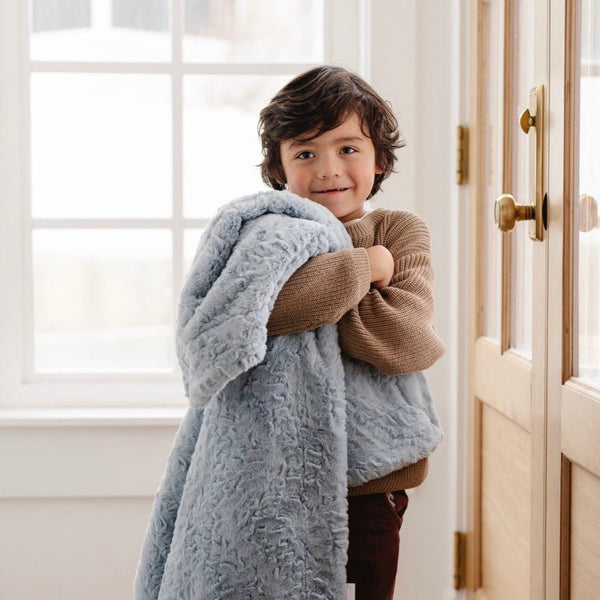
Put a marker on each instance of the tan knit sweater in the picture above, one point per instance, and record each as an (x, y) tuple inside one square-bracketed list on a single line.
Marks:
[(391, 327)]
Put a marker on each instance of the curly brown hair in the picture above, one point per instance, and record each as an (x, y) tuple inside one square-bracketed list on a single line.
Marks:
[(317, 101)]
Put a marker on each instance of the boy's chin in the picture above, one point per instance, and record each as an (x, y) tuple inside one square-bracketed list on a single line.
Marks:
[(343, 213)]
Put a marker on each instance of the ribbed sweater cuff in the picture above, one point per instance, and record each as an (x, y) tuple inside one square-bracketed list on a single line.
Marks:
[(362, 269), (409, 477)]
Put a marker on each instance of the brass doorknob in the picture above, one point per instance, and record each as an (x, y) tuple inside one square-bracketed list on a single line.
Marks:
[(588, 213), (507, 212), (526, 120)]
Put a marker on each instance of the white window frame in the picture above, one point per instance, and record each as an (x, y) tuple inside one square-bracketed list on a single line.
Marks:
[(346, 25)]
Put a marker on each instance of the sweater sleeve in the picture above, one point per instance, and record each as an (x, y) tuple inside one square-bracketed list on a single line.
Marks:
[(391, 327), (321, 291)]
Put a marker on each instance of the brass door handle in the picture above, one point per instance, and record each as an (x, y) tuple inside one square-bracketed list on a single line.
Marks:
[(507, 212)]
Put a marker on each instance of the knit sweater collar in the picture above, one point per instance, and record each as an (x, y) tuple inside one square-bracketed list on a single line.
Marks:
[(366, 223), (367, 211)]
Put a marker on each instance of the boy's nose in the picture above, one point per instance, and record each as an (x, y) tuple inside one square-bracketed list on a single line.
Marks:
[(329, 167)]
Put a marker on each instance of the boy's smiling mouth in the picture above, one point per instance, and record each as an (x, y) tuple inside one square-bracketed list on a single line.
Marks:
[(331, 190)]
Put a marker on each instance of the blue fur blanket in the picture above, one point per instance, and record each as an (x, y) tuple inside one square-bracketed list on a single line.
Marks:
[(253, 500)]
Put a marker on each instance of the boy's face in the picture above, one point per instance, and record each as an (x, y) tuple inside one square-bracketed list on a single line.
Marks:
[(336, 169)]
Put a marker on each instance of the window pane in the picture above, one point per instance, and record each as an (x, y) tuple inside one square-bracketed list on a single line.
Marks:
[(102, 300), (253, 31), (221, 146), (101, 145), (587, 267), (100, 30)]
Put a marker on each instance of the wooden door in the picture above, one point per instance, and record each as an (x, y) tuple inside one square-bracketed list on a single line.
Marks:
[(573, 441), (534, 337), (507, 280)]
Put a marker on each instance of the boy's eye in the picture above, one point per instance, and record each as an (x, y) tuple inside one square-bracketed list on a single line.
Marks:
[(304, 155), (348, 150)]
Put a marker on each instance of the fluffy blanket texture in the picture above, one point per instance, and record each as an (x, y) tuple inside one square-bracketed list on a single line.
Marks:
[(253, 500)]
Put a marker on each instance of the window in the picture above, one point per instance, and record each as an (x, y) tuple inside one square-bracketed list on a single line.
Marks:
[(137, 121)]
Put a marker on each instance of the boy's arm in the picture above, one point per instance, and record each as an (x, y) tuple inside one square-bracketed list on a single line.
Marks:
[(321, 291), (391, 327)]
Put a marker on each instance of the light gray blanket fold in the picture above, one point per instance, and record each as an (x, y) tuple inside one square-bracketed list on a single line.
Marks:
[(252, 504)]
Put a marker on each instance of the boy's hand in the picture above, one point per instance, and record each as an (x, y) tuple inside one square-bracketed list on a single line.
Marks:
[(381, 262)]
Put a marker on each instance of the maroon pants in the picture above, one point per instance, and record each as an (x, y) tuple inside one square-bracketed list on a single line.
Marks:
[(374, 521)]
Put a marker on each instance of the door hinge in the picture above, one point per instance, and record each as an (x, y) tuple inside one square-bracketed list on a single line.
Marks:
[(460, 560), (462, 154)]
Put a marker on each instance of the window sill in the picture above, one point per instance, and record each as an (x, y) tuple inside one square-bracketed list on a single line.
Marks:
[(91, 417)]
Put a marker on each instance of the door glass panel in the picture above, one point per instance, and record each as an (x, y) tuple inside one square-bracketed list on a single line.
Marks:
[(586, 300), (520, 326), (492, 167), (521, 252)]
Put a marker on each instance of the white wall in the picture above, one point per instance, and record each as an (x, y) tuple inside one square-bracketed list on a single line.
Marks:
[(415, 65), (74, 504)]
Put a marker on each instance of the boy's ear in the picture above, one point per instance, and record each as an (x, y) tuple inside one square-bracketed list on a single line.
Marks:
[(378, 170)]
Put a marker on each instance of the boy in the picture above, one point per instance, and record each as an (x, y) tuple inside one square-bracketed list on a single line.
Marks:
[(329, 137)]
